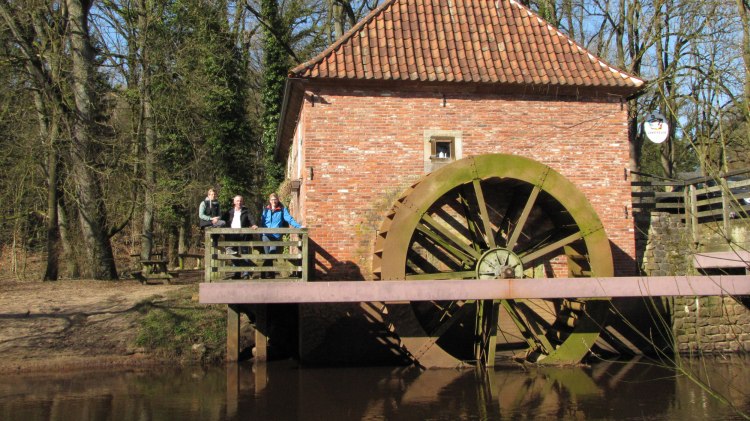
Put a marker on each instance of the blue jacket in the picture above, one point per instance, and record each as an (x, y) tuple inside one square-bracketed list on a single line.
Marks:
[(277, 218)]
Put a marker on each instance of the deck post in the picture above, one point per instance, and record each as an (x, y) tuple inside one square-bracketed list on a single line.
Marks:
[(233, 333), (305, 255), (694, 213), (208, 248), (725, 205), (261, 327)]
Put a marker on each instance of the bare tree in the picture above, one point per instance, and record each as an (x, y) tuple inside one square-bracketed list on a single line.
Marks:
[(743, 7), (92, 211), (37, 39)]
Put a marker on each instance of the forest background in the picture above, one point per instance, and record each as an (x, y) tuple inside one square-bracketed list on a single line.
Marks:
[(116, 116)]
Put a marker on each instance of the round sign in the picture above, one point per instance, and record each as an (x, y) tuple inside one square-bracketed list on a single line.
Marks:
[(656, 128)]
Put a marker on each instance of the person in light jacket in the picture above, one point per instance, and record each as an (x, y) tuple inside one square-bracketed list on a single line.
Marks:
[(209, 211)]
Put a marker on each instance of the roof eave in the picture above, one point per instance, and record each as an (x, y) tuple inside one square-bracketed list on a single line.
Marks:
[(289, 116)]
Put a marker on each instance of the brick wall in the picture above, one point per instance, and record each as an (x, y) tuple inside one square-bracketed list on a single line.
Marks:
[(364, 147)]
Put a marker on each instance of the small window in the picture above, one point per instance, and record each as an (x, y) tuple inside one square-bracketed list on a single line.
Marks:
[(443, 150), (441, 147)]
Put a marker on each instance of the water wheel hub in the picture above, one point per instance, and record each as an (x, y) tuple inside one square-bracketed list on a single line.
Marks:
[(499, 263)]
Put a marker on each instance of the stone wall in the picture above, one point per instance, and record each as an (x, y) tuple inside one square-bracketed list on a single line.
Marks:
[(710, 325), (664, 244), (699, 324)]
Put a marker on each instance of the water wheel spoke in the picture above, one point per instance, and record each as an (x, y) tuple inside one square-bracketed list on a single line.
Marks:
[(516, 233), (445, 324), (489, 235), (518, 322), (417, 263), (534, 326), (486, 331), (475, 233), (441, 312), (432, 228), (448, 312), (549, 248)]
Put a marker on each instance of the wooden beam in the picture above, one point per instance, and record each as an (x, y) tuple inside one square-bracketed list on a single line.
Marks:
[(722, 260), (480, 289)]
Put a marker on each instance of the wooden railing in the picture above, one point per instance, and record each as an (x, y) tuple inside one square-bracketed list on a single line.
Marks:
[(697, 201), (290, 263), (701, 199)]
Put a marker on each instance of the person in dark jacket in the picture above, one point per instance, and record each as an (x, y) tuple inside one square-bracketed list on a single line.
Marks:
[(239, 217), (274, 215), (209, 212)]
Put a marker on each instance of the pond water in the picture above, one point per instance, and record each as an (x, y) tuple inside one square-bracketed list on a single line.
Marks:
[(609, 390)]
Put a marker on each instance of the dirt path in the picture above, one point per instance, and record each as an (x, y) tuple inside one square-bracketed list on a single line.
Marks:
[(56, 325)]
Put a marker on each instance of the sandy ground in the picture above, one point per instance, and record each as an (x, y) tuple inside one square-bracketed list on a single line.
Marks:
[(74, 323)]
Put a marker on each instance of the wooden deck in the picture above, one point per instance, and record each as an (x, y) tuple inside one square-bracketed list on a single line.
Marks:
[(262, 293), (435, 290), (294, 261)]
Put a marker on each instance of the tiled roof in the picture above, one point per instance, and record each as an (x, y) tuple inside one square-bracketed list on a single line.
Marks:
[(479, 41)]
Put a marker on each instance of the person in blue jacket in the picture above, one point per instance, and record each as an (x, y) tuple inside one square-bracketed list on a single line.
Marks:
[(275, 215)]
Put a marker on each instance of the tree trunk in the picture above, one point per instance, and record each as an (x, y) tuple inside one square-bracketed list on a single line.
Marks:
[(71, 259), (92, 212), (173, 245), (183, 242), (147, 235), (744, 10), (635, 139), (52, 270), (48, 135)]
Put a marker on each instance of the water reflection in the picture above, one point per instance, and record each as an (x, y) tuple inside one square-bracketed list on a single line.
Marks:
[(636, 389)]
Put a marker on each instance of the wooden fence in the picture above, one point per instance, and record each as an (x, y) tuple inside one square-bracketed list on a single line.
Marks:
[(290, 263), (697, 200)]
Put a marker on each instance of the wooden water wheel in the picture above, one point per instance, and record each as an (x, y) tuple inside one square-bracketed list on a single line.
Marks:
[(488, 217)]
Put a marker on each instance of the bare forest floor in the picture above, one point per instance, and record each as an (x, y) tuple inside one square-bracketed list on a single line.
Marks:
[(78, 323)]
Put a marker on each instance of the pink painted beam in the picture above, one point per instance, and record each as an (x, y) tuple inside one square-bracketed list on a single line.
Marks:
[(722, 259), (433, 290)]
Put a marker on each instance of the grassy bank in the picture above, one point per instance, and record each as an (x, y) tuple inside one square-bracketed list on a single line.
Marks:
[(176, 327)]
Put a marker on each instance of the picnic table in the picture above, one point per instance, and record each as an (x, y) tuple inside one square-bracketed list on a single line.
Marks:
[(154, 270)]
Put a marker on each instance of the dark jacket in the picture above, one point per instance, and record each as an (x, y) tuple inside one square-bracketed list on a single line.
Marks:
[(246, 218), (207, 210)]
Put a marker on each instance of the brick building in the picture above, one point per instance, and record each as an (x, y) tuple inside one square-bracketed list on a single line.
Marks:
[(424, 79)]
